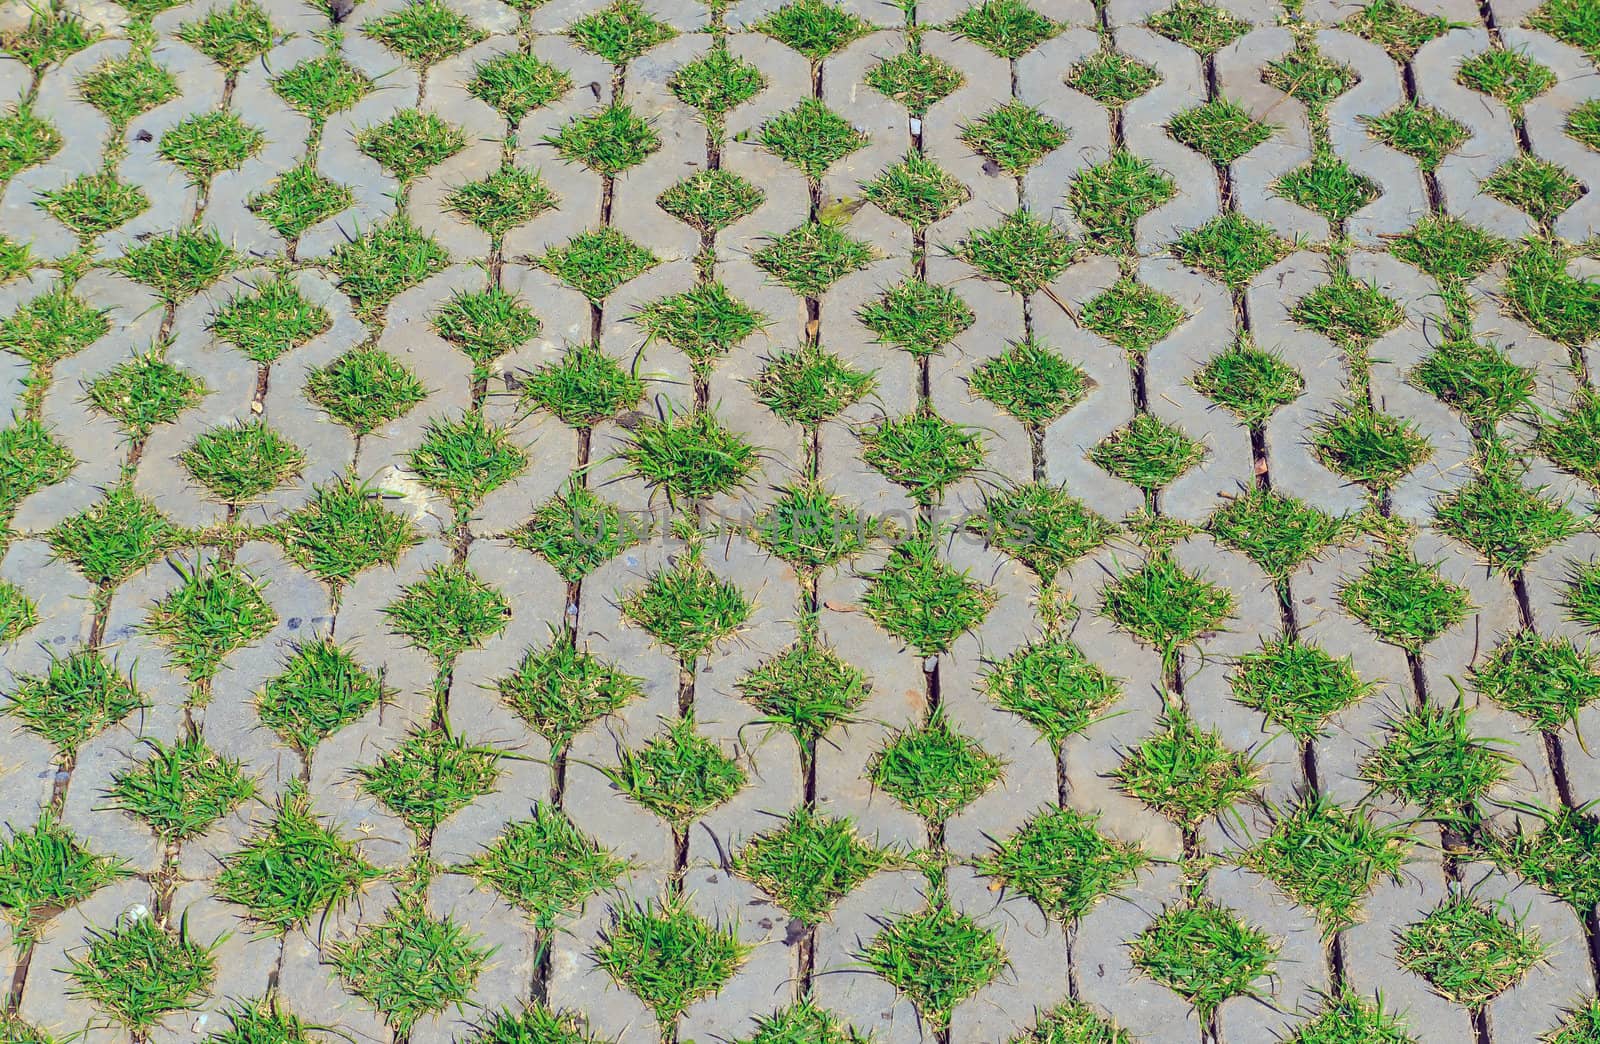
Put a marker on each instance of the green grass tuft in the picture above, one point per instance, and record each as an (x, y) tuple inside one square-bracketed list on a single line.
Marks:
[(1062, 861), (1470, 952), (1278, 533), (560, 690), (547, 867), (79, 696), (668, 956), (688, 608), (1147, 452), (917, 317), (431, 776), (44, 869), (1204, 954), (1403, 601), (1042, 526), (922, 453), (1548, 681), (182, 789), (933, 770), (810, 385), (807, 689), (364, 389), (1432, 758), (690, 456), (448, 612), (597, 262), (320, 690), (620, 33), (812, 137), (1004, 28), (410, 965), (115, 538), (344, 530), (239, 462), (1187, 774), (140, 972), (937, 957), (809, 863), (915, 79), (1329, 859), (1297, 686), (1111, 197)]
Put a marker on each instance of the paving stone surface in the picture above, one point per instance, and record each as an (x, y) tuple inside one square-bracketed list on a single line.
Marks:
[(800, 520)]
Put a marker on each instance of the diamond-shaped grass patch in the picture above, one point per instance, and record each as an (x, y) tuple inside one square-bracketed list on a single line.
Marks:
[(810, 385), (1023, 252), (431, 776), (679, 775), (1279, 533), (34, 460), (1249, 383), (389, 259), (45, 868), (517, 84), (1004, 28), (812, 529), (917, 317), (410, 964), (465, 460), (1403, 601), (126, 88), (1309, 76), (1198, 25), (1562, 856), (1186, 773), (1365, 446), (343, 530), (237, 463), (936, 958), (1469, 951), (917, 191), (1505, 521), (1204, 954), (806, 689), (208, 144), (1329, 859), (690, 455), (275, 319), (716, 84), (182, 789), (293, 869), (546, 866), (217, 610), (1111, 197), (1432, 758), (812, 137), (583, 388), (1031, 383), (922, 453), (298, 199), (703, 323), (1042, 526), (1297, 686), (75, 699), (1132, 315), (919, 599), (668, 956), (1327, 186), (711, 200), (815, 28), (809, 863), (1231, 248), (597, 262), (688, 608), (560, 690), (364, 389), (509, 197), (320, 690), (805, 1022), (1448, 248), (410, 143), (933, 770), (486, 324), (1052, 686), (621, 32), (1423, 133), (320, 87), (1014, 137), (180, 264), (115, 538), (53, 326), (1510, 76), (1398, 29), (1543, 294), (139, 972), (1062, 861), (144, 393), (1111, 78), (1147, 452), (916, 79), (1538, 187), (94, 203), (448, 611), (810, 258), (1477, 379), (577, 531), (1548, 681), (425, 32), (607, 141)]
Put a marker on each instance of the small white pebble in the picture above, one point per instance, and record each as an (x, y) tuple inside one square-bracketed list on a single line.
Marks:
[(929, 663), (135, 913), (200, 1022), (916, 125)]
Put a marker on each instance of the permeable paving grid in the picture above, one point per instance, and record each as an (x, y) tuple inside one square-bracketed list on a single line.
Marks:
[(819, 521)]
